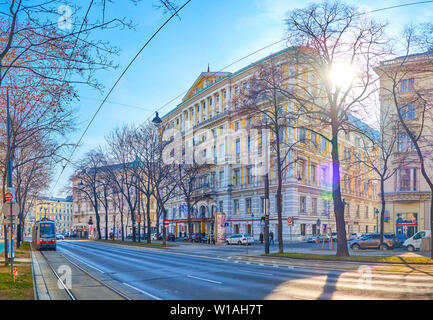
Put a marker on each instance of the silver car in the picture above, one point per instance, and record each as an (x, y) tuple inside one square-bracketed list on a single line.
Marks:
[(240, 239)]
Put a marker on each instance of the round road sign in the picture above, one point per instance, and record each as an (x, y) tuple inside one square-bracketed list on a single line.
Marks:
[(8, 196)]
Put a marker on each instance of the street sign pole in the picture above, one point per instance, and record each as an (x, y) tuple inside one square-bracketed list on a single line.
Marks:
[(266, 233), (10, 183)]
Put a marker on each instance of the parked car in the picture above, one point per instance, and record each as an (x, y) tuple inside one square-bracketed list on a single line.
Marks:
[(171, 237), (60, 236), (372, 241), (414, 243), (154, 236), (320, 237), (209, 238), (240, 239), (355, 236)]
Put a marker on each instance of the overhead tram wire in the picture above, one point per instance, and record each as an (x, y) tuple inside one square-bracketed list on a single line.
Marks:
[(114, 86), (272, 44), (169, 102)]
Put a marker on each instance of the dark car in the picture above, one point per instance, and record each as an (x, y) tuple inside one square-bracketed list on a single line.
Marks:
[(171, 237), (195, 237), (209, 238), (372, 241)]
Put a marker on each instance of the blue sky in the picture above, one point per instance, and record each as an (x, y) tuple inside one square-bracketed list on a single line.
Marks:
[(215, 32)]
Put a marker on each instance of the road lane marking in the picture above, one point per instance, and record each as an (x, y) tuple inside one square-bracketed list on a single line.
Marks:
[(142, 291), (76, 258), (190, 276), (264, 273)]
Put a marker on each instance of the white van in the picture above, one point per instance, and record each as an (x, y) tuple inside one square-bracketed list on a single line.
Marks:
[(414, 242)]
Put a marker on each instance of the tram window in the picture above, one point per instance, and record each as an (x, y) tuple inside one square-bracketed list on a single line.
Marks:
[(47, 230)]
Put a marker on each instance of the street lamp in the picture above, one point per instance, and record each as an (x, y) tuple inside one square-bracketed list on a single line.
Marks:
[(157, 120)]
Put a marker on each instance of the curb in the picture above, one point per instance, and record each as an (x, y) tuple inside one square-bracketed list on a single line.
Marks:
[(351, 261)]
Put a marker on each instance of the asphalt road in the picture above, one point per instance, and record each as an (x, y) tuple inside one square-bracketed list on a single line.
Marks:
[(170, 274)]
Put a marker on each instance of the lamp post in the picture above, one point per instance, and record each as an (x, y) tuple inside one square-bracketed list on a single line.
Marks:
[(157, 122)]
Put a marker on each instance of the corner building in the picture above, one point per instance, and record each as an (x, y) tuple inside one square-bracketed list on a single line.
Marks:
[(231, 186)]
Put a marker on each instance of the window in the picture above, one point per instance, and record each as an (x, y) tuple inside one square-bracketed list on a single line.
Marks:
[(314, 205), (407, 85), (323, 144), (238, 147), (237, 177), (248, 205), (404, 179), (302, 229), (221, 151), (221, 206), (402, 142), (235, 206), (249, 175), (262, 205), (249, 143), (411, 111), (302, 204), (250, 121), (221, 178), (366, 212), (313, 173), (302, 135), (314, 139), (324, 175), (301, 169), (237, 125), (358, 208), (414, 179)]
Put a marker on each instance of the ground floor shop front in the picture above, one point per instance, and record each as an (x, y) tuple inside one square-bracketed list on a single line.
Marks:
[(406, 215)]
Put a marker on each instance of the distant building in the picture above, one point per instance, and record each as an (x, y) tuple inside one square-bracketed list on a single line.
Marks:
[(207, 119), (407, 194), (83, 211), (56, 209)]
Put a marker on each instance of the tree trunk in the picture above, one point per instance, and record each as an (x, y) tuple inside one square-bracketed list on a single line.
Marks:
[(279, 197), (148, 218), (122, 226), (164, 229), (188, 203), (342, 249), (382, 211), (106, 223)]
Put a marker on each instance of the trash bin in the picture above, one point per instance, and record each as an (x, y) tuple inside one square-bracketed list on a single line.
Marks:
[(425, 245)]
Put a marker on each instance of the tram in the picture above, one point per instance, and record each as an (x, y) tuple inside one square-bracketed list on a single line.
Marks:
[(44, 235)]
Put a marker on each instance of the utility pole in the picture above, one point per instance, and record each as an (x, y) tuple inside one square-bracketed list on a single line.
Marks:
[(266, 207), (11, 243)]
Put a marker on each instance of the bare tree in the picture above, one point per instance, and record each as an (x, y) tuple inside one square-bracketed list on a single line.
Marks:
[(265, 96), (90, 183), (120, 149), (376, 154), (407, 93), (335, 48)]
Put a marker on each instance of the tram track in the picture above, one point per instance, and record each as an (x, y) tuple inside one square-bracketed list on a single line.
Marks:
[(69, 291)]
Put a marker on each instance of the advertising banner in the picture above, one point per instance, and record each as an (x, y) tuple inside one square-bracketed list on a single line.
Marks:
[(220, 228)]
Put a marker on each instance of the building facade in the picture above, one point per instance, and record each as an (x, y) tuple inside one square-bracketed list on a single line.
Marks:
[(56, 209), (84, 217), (407, 82), (208, 120)]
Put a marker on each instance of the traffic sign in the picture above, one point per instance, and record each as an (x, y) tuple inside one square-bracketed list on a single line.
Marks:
[(138, 219), (6, 209), (166, 222), (7, 221), (290, 221), (10, 194)]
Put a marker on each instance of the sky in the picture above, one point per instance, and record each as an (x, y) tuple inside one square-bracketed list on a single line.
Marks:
[(208, 32)]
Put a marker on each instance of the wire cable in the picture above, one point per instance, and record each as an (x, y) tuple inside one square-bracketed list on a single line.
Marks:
[(114, 86)]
